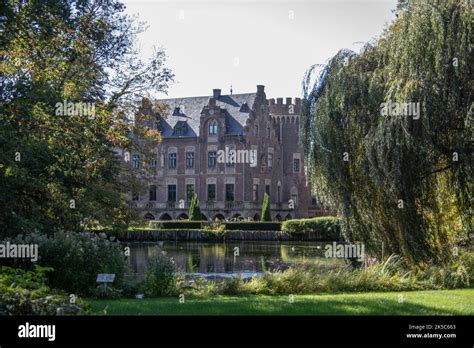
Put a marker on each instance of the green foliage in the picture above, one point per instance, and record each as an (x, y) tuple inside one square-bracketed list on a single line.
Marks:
[(177, 224), (78, 52), (77, 258), (327, 227), (397, 180), (26, 293), (195, 210), (390, 275), (233, 286), (160, 277), (416, 303), (252, 226), (266, 215)]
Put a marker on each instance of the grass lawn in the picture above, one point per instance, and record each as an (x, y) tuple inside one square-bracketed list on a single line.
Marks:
[(442, 302)]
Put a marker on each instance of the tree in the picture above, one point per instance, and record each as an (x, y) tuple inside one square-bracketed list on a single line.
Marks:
[(266, 215), (59, 167), (401, 181), (195, 210)]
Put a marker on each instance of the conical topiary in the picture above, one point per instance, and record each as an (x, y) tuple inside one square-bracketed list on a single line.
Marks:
[(266, 216), (194, 209)]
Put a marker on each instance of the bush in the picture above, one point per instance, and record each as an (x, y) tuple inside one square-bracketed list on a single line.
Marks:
[(177, 224), (328, 228), (160, 277), (234, 286), (77, 258), (266, 216), (195, 210), (130, 288), (26, 293), (102, 291), (253, 226)]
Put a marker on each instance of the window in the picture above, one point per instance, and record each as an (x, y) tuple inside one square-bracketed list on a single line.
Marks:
[(212, 159), (213, 128), (171, 193), (189, 192), (268, 132), (136, 161), (135, 196), (189, 159), (229, 192), (211, 192), (172, 160), (279, 194), (267, 189), (152, 193), (230, 158), (181, 128), (294, 198), (270, 160), (256, 129), (296, 165), (153, 163), (255, 192)]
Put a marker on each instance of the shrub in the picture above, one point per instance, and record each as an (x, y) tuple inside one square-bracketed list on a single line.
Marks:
[(130, 288), (26, 293), (195, 210), (253, 226), (234, 286), (102, 291), (160, 277), (266, 216), (77, 258), (328, 228)]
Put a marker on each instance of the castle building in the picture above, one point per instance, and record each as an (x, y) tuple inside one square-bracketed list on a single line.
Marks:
[(228, 150)]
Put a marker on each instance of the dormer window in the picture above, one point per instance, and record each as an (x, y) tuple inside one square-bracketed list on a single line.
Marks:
[(213, 128), (181, 128)]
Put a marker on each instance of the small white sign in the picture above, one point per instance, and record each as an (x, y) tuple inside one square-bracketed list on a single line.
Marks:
[(105, 278)]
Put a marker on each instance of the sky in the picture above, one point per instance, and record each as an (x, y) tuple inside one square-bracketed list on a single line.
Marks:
[(218, 43)]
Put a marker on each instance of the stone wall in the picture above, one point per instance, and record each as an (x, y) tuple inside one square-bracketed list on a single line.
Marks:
[(203, 235)]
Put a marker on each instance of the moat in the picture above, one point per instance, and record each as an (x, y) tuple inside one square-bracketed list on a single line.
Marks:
[(226, 259)]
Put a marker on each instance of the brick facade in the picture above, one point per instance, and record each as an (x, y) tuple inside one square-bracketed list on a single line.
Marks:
[(240, 122)]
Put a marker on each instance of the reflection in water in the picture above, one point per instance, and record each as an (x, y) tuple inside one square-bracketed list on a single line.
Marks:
[(248, 257)]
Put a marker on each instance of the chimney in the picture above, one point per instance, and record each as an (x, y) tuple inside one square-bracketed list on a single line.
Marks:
[(260, 89), (216, 93), (288, 101), (279, 101)]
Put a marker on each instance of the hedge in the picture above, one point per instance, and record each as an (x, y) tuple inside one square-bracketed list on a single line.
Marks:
[(328, 227), (177, 224), (252, 226)]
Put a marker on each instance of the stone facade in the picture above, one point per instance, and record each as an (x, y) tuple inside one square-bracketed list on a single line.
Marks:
[(195, 155)]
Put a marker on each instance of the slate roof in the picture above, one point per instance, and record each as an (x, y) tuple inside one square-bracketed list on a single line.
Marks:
[(235, 106)]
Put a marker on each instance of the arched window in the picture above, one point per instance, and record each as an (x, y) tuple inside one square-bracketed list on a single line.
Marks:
[(213, 127)]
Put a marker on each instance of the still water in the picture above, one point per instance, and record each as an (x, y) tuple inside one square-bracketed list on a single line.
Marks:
[(246, 258)]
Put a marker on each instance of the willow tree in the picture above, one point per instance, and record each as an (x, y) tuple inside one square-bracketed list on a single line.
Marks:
[(399, 180)]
